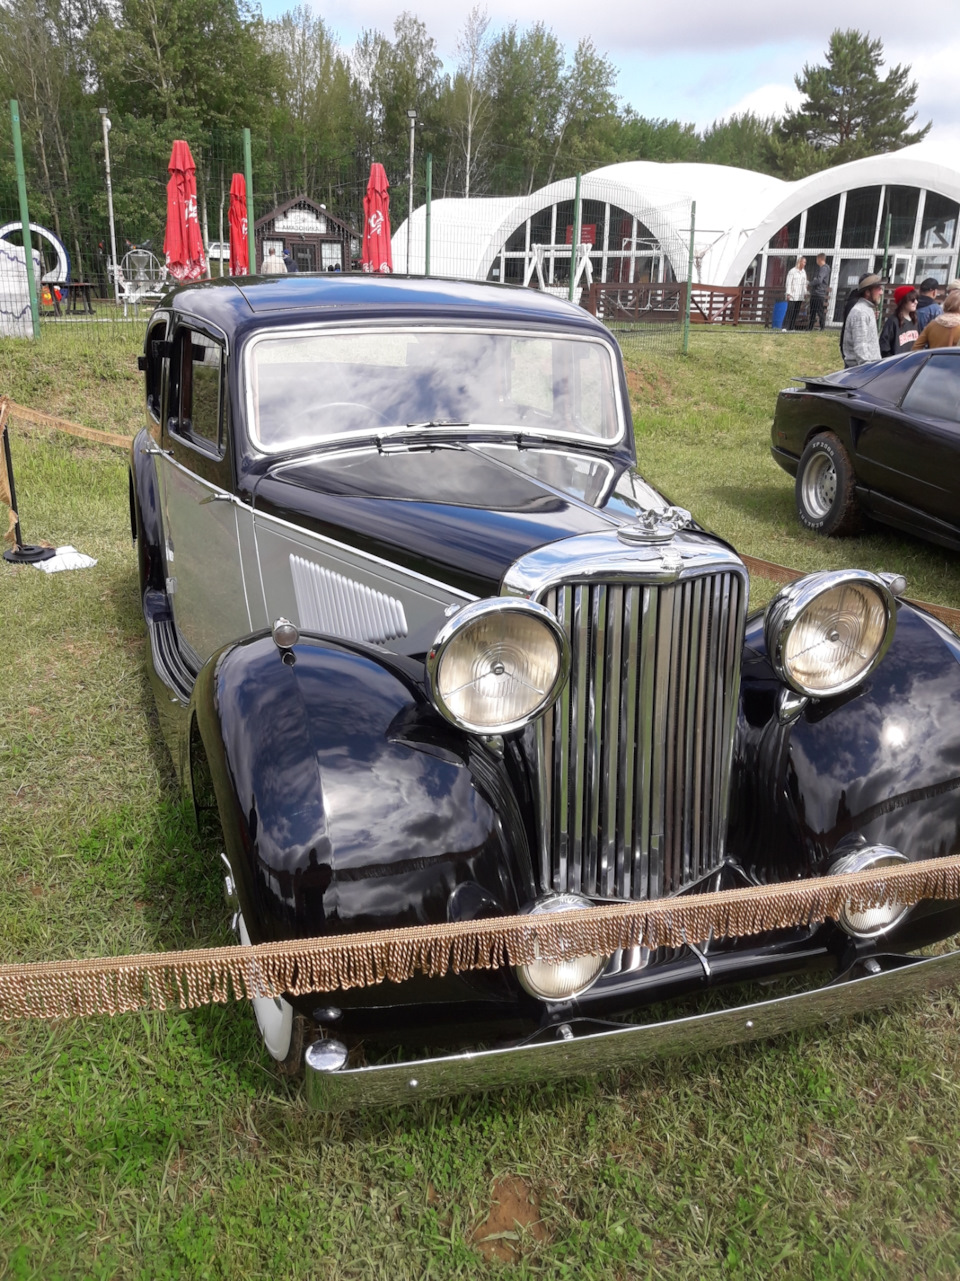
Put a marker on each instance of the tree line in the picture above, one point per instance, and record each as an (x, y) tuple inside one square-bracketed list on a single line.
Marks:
[(514, 110)]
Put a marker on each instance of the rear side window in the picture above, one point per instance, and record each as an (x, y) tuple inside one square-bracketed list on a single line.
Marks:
[(197, 395), (935, 392), (894, 377)]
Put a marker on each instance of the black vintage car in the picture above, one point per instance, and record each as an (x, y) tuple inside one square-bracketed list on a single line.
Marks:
[(437, 653), (880, 440)]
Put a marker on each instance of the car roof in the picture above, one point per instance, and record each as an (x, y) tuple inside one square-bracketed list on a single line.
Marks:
[(234, 303), (861, 376)]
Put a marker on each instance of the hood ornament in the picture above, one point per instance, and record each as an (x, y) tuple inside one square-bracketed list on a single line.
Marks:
[(655, 526)]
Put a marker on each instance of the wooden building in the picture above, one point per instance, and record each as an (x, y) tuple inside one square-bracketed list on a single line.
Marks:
[(314, 238)]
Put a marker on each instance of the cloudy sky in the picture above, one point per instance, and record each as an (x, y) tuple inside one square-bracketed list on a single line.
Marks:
[(699, 60)]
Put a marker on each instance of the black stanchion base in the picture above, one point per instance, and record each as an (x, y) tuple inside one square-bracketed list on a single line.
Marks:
[(27, 554)]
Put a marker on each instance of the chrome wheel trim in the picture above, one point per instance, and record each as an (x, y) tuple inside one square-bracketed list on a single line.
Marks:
[(818, 486), (274, 1015)]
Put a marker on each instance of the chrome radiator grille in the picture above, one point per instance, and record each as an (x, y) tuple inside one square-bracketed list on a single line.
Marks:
[(634, 759)]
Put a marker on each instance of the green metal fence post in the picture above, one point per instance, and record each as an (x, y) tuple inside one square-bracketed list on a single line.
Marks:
[(426, 242), (690, 256), (25, 217), (574, 236), (248, 176)]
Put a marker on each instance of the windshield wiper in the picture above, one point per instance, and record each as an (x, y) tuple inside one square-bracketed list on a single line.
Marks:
[(421, 440), (437, 422)]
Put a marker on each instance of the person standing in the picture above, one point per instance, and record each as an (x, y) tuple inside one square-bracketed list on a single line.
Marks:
[(796, 291), (927, 305), (899, 331), (944, 329), (859, 341), (819, 290), (272, 264)]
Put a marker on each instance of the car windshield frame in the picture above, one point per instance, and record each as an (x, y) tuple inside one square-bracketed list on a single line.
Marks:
[(443, 429)]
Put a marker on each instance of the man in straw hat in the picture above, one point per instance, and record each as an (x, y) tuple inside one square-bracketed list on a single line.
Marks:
[(859, 341)]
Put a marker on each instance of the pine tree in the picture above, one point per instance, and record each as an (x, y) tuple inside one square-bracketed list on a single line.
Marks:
[(849, 110)]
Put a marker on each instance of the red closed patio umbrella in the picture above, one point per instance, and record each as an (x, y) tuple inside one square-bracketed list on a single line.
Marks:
[(239, 259), (377, 253), (183, 244)]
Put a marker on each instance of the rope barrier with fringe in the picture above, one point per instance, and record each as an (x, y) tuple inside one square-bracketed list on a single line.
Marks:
[(203, 976), (38, 419)]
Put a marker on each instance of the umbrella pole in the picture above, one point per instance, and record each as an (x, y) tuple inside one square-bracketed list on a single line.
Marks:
[(251, 229), (23, 553)]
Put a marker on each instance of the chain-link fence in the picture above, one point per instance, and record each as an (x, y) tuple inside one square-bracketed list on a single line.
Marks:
[(592, 242)]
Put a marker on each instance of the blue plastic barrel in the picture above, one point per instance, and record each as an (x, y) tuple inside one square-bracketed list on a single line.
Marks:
[(779, 315)]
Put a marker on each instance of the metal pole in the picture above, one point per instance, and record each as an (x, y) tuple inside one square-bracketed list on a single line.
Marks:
[(412, 117), (21, 553), (25, 217), (885, 270), (221, 219), (686, 310), (113, 228), (574, 237), (886, 245), (248, 176), (426, 241)]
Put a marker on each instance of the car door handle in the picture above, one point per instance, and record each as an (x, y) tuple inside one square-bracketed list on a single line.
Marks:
[(218, 497), (155, 449)]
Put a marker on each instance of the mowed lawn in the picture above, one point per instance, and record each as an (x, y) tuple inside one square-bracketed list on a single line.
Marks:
[(166, 1146)]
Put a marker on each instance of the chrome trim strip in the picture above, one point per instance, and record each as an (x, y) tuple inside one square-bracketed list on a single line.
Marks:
[(394, 1083), (607, 885), (601, 557)]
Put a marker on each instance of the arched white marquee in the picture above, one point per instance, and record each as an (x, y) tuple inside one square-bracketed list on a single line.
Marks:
[(748, 225)]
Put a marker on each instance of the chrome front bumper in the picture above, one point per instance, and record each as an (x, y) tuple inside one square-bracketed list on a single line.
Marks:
[(573, 1051)]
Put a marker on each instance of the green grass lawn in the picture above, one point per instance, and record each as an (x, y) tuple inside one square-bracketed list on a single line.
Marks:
[(165, 1146)]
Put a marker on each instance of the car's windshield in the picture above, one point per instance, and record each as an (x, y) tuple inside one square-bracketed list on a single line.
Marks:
[(303, 389)]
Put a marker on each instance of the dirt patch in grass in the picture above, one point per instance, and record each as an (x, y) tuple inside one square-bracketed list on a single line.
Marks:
[(514, 1215)]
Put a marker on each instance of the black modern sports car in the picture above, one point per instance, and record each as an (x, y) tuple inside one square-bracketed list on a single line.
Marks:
[(881, 440), (438, 657)]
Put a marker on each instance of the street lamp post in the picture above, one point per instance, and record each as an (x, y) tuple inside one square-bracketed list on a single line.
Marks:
[(113, 230), (412, 117)]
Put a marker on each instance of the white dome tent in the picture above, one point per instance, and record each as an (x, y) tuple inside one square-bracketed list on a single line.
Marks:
[(750, 227), (491, 238)]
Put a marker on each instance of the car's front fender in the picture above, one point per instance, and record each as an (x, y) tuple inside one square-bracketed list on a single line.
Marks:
[(346, 802), (882, 762)]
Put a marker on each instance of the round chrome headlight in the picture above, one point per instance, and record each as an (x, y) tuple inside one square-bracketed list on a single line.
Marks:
[(827, 632), (497, 664), (869, 922), (559, 981)]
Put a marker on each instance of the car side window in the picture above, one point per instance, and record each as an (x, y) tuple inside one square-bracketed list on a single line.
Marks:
[(935, 392), (155, 354), (196, 398)]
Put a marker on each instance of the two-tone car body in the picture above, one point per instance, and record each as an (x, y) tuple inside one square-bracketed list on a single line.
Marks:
[(438, 653)]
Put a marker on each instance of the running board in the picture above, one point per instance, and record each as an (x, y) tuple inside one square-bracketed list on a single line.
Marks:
[(168, 661)]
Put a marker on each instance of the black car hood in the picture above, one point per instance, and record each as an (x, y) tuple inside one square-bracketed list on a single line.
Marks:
[(461, 515)]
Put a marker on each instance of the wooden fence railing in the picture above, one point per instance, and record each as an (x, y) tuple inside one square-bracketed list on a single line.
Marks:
[(616, 301)]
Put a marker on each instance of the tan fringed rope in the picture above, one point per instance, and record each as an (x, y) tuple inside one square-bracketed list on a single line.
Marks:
[(38, 419), (158, 981)]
